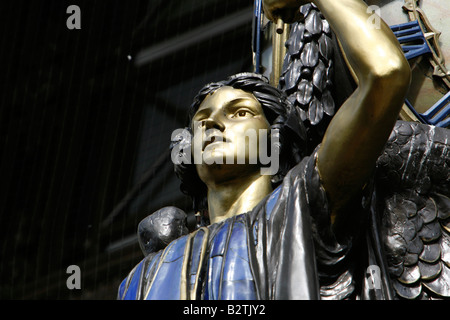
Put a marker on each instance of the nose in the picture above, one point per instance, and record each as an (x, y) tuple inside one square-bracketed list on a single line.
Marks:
[(214, 122)]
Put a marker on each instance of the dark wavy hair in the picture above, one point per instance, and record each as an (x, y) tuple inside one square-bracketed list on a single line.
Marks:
[(279, 112)]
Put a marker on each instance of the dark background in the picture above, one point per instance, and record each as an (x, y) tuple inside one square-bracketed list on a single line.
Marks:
[(86, 117)]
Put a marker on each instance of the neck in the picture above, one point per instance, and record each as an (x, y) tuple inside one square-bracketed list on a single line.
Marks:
[(235, 197)]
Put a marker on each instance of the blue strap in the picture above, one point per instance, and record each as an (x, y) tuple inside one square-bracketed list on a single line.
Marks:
[(408, 33), (438, 114), (257, 34)]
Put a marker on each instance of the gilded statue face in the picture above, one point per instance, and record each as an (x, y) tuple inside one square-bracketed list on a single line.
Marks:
[(225, 128)]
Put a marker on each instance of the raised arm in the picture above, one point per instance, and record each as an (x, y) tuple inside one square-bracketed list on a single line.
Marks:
[(359, 130)]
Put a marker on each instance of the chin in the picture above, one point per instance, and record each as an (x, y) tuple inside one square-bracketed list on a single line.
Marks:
[(214, 159)]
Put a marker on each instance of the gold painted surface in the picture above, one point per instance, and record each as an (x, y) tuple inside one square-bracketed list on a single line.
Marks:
[(280, 35), (354, 138), (359, 130), (232, 188)]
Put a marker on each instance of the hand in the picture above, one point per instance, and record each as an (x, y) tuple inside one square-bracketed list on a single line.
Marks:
[(287, 10)]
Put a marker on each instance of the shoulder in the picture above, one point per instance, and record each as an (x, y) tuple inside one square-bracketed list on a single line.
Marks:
[(132, 286), (129, 287)]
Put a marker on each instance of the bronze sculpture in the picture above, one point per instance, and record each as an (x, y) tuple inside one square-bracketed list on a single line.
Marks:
[(313, 229)]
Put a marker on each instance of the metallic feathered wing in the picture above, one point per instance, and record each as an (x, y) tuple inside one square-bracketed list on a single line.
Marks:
[(413, 178), (413, 173), (311, 67)]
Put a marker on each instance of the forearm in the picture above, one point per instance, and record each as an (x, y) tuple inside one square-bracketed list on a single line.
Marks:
[(357, 133), (359, 130), (372, 50)]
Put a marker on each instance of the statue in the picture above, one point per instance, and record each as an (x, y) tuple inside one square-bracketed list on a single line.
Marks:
[(358, 209)]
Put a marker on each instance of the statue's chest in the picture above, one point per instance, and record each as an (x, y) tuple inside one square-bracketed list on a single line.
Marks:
[(228, 274)]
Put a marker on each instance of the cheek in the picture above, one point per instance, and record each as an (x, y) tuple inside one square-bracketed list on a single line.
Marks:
[(252, 126), (196, 141), (250, 133)]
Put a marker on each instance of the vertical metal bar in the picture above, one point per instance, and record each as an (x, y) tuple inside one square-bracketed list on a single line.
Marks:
[(280, 32), (257, 35)]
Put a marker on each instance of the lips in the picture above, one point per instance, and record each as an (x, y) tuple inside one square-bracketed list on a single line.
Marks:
[(213, 138)]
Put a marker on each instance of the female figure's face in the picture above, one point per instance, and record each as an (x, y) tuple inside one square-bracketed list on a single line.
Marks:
[(225, 128)]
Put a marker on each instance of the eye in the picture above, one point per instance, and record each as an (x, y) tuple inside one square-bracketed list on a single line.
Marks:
[(242, 114)]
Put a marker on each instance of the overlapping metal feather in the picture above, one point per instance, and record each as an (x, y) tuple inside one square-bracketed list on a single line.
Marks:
[(414, 176), (413, 172), (307, 74)]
